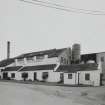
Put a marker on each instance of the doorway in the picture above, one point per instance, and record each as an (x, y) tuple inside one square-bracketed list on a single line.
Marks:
[(5, 75), (101, 79), (35, 76), (78, 78), (61, 77)]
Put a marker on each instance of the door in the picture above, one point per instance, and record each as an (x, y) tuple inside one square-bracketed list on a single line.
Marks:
[(78, 78), (101, 78), (61, 77), (5, 75), (35, 76)]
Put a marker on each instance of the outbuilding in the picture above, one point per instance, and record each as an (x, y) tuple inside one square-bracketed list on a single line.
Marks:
[(84, 74)]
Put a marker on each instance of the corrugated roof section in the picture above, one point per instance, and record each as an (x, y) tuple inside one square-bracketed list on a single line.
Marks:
[(50, 53), (39, 67), (77, 67), (15, 68), (6, 62)]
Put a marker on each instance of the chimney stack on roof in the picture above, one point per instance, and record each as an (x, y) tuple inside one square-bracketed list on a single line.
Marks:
[(8, 49)]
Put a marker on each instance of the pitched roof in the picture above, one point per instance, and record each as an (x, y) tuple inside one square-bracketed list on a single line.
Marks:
[(15, 68), (6, 62), (77, 67), (39, 67), (50, 53)]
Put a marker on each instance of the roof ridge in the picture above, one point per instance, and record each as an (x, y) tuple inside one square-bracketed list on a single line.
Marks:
[(42, 52)]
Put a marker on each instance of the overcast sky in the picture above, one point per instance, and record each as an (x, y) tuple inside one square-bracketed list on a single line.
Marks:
[(32, 28)]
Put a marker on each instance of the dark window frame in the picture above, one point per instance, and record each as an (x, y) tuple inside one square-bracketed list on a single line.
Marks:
[(12, 75), (20, 59), (40, 57), (45, 75), (70, 76), (102, 59), (87, 76), (30, 58), (24, 75)]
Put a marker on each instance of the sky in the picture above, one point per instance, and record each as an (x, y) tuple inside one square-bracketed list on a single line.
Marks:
[(32, 28)]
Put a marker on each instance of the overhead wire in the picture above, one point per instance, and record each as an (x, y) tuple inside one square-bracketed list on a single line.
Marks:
[(64, 8), (68, 7)]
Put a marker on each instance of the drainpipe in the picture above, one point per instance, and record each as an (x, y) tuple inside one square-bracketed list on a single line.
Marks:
[(75, 78)]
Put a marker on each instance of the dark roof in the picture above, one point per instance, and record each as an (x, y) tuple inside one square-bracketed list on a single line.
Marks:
[(93, 53), (15, 68), (39, 67), (50, 53), (6, 62), (77, 67)]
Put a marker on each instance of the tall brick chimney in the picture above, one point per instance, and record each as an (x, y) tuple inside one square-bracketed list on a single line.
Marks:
[(8, 49)]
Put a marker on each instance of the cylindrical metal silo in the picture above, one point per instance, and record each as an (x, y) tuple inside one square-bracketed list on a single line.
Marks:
[(76, 50)]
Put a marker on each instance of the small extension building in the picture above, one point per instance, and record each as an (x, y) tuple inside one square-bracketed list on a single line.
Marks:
[(95, 58), (81, 74)]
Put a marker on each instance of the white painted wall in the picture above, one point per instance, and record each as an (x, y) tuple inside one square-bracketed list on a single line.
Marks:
[(19, 75), (70, 81), (52, 76), (99, 55), (9, 73), (46, 60), (0, 71), (94, 77)]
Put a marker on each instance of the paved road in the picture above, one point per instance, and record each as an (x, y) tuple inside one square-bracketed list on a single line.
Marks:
[(22, 94)]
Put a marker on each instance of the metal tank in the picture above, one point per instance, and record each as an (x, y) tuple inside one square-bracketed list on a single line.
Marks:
[(76, 50)]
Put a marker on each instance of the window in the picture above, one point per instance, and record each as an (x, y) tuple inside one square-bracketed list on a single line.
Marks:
[(40, 57), (20, 59), (45, 75), (24, 76), (12, 75), (30, 58), (61, 75), (63, 60), (67, 62), (87, 76), (102, 59), (69, 76)]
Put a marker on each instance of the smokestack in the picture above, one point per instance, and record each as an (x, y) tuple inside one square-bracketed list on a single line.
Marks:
[(8, 49)]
